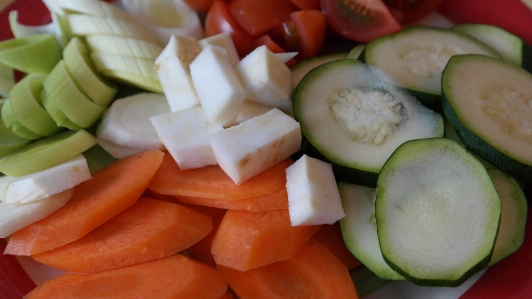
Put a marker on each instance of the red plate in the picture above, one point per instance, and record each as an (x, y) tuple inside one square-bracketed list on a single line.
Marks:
[(511, 278)]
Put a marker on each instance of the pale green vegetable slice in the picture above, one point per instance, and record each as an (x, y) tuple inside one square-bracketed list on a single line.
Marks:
[(47, 152), (19, 30), (98, 8), (83, 25), (37, 53), (80, 66), (9, 141), (25, 102), (130, 70), (7, 80), (58, 116), (123, 45), (73, 102), (11, 122)]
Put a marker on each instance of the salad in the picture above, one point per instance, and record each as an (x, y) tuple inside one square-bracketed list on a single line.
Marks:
[(122, 136)]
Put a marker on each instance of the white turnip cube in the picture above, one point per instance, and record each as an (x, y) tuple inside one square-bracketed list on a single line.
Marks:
[(225, 41), (313, 196), (257, 144)]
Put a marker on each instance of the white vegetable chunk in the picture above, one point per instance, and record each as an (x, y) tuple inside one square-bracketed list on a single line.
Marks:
[(42, 184), (255, 145), (313, 196), (115, 150), (185, 136), (173, 69), (127, 121), (286, 56), (217, 85), (266, 78), (250, 109), (14, 217), (225, 41)]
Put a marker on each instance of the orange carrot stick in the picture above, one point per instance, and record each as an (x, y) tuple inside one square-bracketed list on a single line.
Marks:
[(330, 236), (110, 191), (148, 230), (277, 200), (312, 273), (247, 240), (175, 276), (213, 182)]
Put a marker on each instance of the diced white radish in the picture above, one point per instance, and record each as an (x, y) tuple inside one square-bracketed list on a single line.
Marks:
[(42, 184), (225, 41), (250, 109), (173, 69), (185, 136), (14, 217), (286, 56), (266, 78), (127, 121), (217, 85), (115, 150), (255, 145), (313, 196)]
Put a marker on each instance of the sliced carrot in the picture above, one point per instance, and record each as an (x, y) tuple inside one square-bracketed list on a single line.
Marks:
[(330, 236), (110, 191), (226, 296), (201, 250), (148, 230), (277, 200), (312, 273), (247, 240), (213, 182), (175, 276), (207, 210)]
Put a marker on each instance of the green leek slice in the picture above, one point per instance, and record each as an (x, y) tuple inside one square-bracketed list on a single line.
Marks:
[(7, 80), (19, 30), (55, 112), (80, 66), (83, 25), (11, 122), (123, 45), (37, 53), (25, 102), (47, 152), (74, 103), (9, 141), (97, 8)]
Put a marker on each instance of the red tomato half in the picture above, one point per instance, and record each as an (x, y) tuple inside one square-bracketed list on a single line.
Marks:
[(311, 27), (411, 11), (359, 20), (219, 20)]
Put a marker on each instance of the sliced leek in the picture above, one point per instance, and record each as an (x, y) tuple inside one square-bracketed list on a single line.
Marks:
[(46, 152), (164, 18), (19, 30), (123, 45), (9, 141), (73, 103), (83, 25), (90, 7), (55, 112), (10, 121), (7, 80), (131, 70), (37, 53), (25, 103), (81, 68)]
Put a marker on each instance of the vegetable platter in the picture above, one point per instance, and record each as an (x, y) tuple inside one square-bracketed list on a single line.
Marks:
[(117, 177)]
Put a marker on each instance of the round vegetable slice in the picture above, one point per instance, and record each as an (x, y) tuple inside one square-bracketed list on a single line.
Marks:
[(488, 103), (46, 152), (437, 212), (355, 116), (36, 53)]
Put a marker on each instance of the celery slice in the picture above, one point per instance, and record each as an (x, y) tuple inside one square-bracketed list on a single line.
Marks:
[(11, 122), (81, 68), (58, 116), (83, 25), (37, 53), (123, 45), (130, 70), (47, 152), (73, 103), (25, 103)]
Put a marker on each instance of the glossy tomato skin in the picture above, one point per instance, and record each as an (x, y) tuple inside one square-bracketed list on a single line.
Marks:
[(407, 12), (219, 19), (359, 20)]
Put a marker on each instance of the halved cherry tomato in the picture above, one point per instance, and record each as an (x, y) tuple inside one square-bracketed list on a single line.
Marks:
[(14, 281), (219, 20), (258, 16), (359, 20), (407, 12), (307, 4), (311, 27)]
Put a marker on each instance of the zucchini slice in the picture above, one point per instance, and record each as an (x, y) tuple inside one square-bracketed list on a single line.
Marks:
[(354, 116), (416, 56), (437, 212), (488, 102)]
